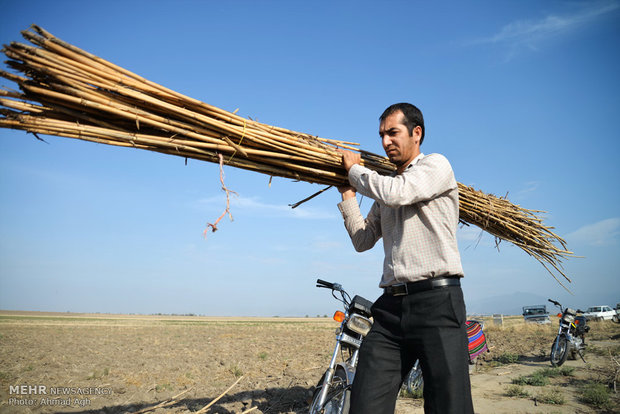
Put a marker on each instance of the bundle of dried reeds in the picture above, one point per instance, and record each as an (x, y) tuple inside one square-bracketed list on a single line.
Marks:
[(66, 91)]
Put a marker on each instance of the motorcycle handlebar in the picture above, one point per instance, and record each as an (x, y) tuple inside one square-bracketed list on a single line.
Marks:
[(324, 284), (554, 302)]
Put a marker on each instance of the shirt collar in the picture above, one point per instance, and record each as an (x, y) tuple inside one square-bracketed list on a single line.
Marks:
[(411, 164), (415, 160)]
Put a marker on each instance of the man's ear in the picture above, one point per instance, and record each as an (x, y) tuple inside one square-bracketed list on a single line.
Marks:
[(417, 134)]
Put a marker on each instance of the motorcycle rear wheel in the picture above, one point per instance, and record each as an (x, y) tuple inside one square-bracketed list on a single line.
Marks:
[(415, 382), (559, 353), (577, 348), (338, 396)]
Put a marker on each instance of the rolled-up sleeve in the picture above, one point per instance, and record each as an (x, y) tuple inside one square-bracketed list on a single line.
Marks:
[(364, 233)]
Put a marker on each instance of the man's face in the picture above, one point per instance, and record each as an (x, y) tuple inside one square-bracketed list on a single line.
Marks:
[(400, 147)]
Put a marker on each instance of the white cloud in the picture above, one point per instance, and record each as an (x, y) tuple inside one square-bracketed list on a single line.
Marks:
[(328, 245), (469, 233), (602, 233), (253, 205), (530, 34), (472, 237), (528, 187)]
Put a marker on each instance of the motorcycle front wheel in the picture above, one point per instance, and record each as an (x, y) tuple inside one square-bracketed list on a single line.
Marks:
[(338, 395), (559, 351)]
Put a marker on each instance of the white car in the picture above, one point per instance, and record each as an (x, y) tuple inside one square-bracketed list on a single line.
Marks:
[(599, 313)]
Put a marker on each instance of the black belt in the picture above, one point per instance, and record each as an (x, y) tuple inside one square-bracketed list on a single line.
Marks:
[(422, 285)]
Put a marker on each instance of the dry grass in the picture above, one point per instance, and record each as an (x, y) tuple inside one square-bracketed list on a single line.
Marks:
[(149, 360), (146, 360)]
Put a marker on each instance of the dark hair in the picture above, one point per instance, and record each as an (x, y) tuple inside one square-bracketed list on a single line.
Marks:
[(412, 116)]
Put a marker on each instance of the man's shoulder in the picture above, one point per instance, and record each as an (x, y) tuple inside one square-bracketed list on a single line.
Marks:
[(434, 156), (435, 159)]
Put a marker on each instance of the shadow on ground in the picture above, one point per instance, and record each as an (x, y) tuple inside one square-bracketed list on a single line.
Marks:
[(268, 401), (533, 360)]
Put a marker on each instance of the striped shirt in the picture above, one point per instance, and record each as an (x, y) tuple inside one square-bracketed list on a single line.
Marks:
[(416, 213)]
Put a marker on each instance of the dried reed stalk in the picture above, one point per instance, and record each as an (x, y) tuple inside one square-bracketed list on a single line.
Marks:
[(206, 407), (167, 403), (68, 92)]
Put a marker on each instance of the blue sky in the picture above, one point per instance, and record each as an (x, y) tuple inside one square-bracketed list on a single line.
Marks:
[(522, 97)]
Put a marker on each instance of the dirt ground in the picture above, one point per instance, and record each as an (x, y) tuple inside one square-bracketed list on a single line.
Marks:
[(76, 363)]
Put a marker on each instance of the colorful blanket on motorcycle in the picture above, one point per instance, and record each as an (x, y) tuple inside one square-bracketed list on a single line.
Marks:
[(477, 340)]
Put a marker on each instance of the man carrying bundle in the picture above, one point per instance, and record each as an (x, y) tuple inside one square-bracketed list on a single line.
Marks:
[(421, 314)]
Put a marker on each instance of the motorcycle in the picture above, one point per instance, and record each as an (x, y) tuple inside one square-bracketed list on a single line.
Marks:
[(332, 393), (571, 336), (477, 344)]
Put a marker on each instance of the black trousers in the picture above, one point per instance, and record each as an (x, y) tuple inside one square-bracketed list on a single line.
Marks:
[(429, 326)]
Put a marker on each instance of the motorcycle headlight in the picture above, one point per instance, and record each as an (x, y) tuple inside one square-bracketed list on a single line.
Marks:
[(568, 318), (359, 324), (569, 315)]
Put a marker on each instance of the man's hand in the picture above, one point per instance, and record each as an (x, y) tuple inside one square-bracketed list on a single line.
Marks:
[(349, 158)]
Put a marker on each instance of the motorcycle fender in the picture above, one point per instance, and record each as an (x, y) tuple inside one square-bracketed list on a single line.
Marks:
[(350, 371)]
